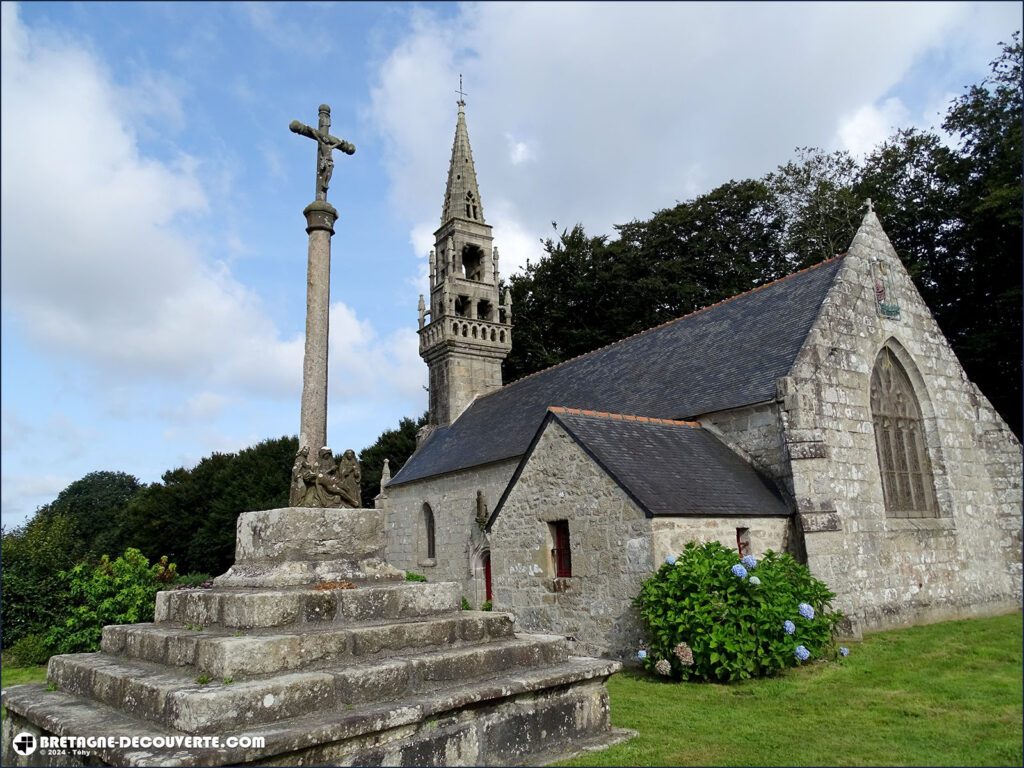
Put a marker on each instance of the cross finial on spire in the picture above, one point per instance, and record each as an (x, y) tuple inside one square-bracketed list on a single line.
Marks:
[(870, 205), (462, 94)]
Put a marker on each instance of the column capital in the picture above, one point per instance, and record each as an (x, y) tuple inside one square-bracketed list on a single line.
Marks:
[(320, 215)]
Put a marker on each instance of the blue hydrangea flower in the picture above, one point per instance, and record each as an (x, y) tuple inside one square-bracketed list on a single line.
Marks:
[(802, 653), (844, 651), (750, 561), (755, 581), (670, 560), (739, 571), (789, 627), (641, 654), (806, 611)]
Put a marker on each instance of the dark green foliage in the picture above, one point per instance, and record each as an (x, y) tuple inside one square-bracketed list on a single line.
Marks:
[(465, 605), (395, 445), (192, 579), (487, 605), (733, 627), (192, 513), (95, 506), (28, 651), (31, 557), (118, 592), (410, 576)]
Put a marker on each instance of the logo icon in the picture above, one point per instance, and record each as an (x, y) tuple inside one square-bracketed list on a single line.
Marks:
[(25, 744)]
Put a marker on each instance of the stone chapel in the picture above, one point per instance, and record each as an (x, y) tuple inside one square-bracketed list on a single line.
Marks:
[(824, 415)]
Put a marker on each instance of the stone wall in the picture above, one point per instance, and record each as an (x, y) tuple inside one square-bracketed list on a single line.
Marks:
[(754, 432), (610, 544), (671, 534), (458, 540), (887, 571)]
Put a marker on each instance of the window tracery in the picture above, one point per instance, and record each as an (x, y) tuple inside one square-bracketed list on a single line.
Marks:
[(907, 483)]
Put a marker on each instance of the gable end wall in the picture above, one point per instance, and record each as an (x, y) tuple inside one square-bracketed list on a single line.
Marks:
[(889, 572)]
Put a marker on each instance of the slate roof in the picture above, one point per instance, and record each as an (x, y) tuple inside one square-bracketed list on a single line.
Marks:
[(669, 468), (724, 356)]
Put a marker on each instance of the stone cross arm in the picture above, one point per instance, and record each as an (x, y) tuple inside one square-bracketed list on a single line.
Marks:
[(331, 141)]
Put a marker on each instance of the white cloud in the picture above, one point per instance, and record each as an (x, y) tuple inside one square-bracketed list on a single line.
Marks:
[(94, 258), (638, 104), (870, 125), (518, 151)]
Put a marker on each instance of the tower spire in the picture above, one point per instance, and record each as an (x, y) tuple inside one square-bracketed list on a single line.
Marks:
[(461, 195)]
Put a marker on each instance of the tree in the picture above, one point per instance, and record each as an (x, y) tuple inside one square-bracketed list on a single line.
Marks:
[(95, 507), (191, 516), (395, 445), (559, 304), (818, 205), (31, 557)]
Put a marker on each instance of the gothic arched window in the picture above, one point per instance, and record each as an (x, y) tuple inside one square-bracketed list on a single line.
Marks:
[(428, 526), (907, 484)]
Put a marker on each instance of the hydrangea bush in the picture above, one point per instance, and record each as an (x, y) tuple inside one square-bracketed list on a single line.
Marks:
[(711, 615)]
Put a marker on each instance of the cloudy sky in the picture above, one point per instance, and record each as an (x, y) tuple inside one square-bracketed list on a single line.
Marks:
[(153, 247)]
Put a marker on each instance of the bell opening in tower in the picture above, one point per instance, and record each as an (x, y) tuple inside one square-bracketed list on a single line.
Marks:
[(473, 263)]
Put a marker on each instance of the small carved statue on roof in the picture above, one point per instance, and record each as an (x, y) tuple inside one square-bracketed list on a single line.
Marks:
[(481, 509)]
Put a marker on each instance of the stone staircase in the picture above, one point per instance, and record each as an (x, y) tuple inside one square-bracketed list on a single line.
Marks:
[(387, 673)]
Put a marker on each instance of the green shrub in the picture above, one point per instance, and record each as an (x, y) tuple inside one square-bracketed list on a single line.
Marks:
[(119, 592), (465, 605), (711, 616), (410, 576), (29, 651), (486, 605)]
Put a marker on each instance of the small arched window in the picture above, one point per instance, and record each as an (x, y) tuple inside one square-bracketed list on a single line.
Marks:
[(428, 530), (907, 483)]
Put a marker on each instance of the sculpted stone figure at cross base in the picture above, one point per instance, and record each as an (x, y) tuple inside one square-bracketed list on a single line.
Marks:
[(325, 483)]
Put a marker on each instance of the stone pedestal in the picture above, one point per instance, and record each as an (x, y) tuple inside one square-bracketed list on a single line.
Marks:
[(314, 644)]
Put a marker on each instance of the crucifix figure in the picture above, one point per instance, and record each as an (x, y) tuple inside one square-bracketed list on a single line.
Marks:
[(326, 144)]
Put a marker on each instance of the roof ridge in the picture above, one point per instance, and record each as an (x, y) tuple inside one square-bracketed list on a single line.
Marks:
[(621, 416), (666, 323)]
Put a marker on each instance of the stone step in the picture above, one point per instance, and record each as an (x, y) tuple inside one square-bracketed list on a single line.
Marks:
[(248, 609), (174, 698), (220, 653), (516, 713)]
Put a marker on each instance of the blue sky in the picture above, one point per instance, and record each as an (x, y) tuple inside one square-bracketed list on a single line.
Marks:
[(153, 247)]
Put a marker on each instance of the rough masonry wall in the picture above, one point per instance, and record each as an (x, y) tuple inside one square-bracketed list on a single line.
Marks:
[(610, 544), (458, 540), (755, 433), (671, 534), (894, 572)]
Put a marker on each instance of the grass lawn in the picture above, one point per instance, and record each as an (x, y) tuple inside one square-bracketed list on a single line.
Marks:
[(945, 694), (19, 675)]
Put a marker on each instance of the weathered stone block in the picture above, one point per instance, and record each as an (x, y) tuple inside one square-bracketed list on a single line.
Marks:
[(221, 708)]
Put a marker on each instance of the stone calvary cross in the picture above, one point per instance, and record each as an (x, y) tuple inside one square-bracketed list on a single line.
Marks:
[(320, 217)]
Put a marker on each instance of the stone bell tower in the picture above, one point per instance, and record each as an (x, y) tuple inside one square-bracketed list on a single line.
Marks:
[(467, 330)]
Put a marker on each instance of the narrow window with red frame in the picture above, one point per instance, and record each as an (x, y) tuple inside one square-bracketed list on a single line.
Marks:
[(560, 555)]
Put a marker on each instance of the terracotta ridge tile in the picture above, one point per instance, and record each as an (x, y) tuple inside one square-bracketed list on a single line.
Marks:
[(622, 416), (667, 322)]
